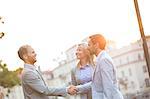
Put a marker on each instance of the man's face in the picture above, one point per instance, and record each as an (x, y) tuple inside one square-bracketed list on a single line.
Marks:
[(91, 47), (31, 55)]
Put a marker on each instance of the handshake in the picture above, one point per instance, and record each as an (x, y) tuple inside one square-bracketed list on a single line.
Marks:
[(72, 90)]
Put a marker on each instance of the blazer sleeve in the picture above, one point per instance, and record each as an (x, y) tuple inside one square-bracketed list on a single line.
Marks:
[(84, 88), (34, 81)]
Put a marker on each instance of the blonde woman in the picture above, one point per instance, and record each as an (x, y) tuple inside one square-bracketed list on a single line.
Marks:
[(82, 73)]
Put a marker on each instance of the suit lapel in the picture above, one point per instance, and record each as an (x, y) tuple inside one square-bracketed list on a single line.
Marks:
[(100, 55), (40, 76), (94, 72)]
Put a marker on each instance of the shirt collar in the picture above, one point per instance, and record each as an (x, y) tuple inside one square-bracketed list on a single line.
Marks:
[(29, 66), (87, 65), (99, 55)]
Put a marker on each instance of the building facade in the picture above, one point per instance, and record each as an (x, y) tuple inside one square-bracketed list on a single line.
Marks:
[(131, 67)]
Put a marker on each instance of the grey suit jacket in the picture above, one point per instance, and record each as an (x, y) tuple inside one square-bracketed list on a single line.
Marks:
[(34, 87), (104, 82)]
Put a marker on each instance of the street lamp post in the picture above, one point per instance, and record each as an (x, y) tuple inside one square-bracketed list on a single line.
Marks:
[(142, 36)]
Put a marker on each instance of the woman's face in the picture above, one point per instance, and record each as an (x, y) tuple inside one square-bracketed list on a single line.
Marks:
[(80, 52)]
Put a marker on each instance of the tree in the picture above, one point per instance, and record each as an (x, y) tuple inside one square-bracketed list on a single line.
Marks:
[(8, 78)]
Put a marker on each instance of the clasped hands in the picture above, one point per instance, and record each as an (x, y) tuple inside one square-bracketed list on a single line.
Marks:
[(72, 90)]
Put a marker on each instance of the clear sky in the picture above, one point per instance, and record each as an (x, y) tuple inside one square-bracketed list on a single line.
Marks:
[(53, 26)]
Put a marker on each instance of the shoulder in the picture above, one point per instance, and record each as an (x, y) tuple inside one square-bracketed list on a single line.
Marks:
[(29, 74), (105, 58), (27, 71), (73, 70), (106, 63)]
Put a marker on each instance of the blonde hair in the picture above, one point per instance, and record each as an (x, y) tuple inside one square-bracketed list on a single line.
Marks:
[(90, 56)]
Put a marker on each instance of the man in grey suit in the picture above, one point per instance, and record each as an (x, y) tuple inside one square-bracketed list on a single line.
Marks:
[(104, 82), (34, 87)]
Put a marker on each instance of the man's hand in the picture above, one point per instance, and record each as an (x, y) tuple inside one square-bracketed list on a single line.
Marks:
[(72, 90)]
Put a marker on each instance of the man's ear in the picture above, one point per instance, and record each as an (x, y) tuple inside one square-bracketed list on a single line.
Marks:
[(96, 45), (24, 57)]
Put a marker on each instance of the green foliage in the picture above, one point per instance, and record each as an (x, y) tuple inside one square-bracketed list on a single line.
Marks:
[(8, 78)]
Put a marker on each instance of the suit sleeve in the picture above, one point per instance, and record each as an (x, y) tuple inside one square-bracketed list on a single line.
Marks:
[(32, 80), (84, 88)]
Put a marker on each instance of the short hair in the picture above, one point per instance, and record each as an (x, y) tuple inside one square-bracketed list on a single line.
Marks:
[(98, 38), (23, 50)]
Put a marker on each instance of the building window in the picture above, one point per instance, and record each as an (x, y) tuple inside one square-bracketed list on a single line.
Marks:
[(144, 69), (120, 61), (130, 72), (123, 74), (132, 84), (147, 82), (127, 59), (139, 57)]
